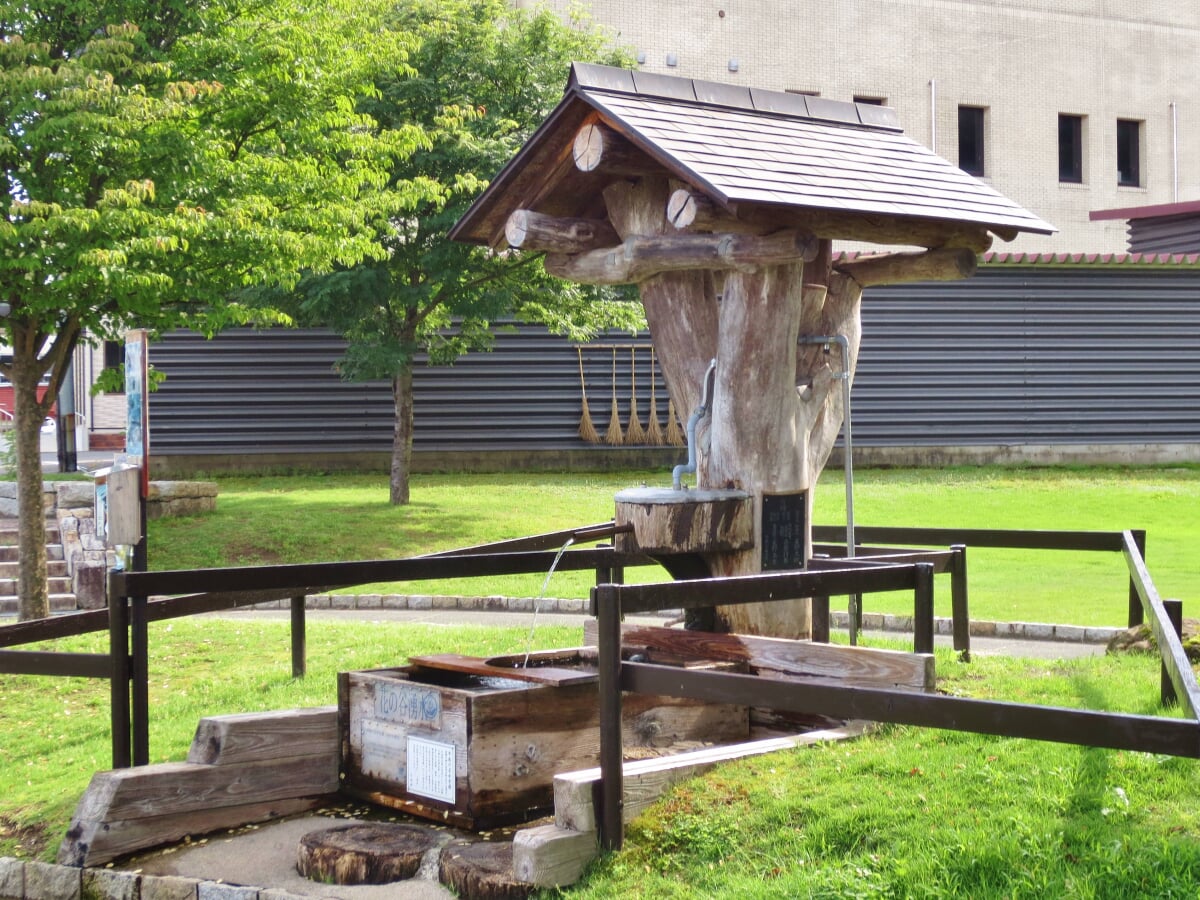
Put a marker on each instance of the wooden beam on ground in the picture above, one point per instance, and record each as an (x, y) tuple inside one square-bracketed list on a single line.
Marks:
[(556, 855), (640, 258), (279, 734), (782, 658), (900, 268), (260, 769), (529, 230), (646, 779)]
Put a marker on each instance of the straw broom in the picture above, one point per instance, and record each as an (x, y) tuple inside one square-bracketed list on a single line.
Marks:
[(614, 435), (654, 432), (587, 430), (635, 434)]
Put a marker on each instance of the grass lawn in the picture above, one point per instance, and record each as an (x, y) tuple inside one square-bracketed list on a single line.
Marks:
[(345, 517), (905, 812)]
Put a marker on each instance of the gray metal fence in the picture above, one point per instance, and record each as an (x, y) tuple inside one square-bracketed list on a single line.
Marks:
[(1106, 359)]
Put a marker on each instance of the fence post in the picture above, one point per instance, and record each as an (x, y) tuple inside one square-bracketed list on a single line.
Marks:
[(139, 677), (1174, 610), (606, 601), (118, 651), (299, 641), (820, 620), (960, 615), (1136, 616), (923, 608)]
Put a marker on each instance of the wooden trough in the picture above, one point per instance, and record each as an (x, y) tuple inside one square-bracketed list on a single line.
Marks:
[(476, 743)]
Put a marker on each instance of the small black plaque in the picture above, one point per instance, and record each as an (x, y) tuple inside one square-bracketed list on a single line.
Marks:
[(783, 531)]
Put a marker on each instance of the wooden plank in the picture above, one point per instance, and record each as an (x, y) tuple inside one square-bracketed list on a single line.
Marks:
[(150, 791), (645, 780), (535, 674), (278, 734), (849, 666), (105, 841), (549, 856)]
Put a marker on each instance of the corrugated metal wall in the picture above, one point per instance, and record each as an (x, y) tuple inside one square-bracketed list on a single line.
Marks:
[(1165, 234), (1030, 355)]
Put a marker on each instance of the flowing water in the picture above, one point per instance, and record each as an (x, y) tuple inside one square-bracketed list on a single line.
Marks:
[(538, 600)]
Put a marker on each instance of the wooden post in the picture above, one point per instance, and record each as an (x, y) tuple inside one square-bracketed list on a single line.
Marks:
[(608, 609), (923, 609), (1174, 610), (139, 677), (1136, 614), (958, 602), (118, 649), (299, 638)]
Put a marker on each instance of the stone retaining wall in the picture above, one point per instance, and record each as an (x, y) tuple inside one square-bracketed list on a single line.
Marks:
[(31, 880), (73, 505)]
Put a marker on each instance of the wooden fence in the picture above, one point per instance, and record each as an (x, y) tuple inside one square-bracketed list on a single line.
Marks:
[(874, 568)]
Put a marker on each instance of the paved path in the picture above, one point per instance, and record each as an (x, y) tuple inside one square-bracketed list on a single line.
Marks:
[(1038, 649)]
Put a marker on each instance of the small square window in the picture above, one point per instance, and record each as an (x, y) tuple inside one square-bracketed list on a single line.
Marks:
[(1129, 153), (870, 101), (970, 139), (1070, 149)]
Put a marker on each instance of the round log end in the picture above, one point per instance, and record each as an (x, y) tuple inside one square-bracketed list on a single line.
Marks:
[(366, 853), (588, 148), (681, 208), (516, 228), (481, 870)]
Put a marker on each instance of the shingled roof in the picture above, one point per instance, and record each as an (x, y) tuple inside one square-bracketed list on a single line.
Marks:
[(742, 147)]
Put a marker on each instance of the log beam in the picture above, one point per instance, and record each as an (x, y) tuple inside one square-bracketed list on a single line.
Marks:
[(688, 209), (899, 268), (529, 230), (597, 148), (639, 258)]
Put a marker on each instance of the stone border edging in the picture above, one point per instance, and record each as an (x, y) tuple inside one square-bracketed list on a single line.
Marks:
[(1029, 631), (34, 880)]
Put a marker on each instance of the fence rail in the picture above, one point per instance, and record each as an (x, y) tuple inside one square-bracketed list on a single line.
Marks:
[(876, 567)]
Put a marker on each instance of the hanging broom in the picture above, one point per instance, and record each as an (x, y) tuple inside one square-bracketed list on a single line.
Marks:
[(587, 430), (654, 432), (674, 432), (614, 436), (635, 434)]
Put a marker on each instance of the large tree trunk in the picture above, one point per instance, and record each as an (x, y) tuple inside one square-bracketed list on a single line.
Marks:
[(402, 435), (28, 415)]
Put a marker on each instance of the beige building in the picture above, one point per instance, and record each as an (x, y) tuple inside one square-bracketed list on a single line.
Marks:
[(1065, 106)]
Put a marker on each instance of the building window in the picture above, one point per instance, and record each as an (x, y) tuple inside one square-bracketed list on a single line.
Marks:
[(970, 139), (114, 358), (1070, 149), (870, 101), (1129, 153), (804, 93)]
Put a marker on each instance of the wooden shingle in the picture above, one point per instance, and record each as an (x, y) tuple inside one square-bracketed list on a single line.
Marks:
[(744, 148)]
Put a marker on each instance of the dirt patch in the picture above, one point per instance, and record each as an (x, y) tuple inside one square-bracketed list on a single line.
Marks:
[(253, 554), (28, 840)]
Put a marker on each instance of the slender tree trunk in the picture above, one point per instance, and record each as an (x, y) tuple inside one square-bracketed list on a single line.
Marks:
[(28, 414), (402, 435)]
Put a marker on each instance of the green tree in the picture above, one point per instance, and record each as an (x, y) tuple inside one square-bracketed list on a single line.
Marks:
[(153, 170), (485, 75)]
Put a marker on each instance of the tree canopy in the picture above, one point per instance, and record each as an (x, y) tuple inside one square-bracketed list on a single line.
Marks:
[(160, 156), (484, 75)]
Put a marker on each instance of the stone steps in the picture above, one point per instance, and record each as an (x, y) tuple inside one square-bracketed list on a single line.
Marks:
[(62, 597)]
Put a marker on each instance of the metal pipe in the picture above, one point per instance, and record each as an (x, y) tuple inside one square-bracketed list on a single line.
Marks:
[(933, 114), (1175, 151), (848, 457), (689, 467)]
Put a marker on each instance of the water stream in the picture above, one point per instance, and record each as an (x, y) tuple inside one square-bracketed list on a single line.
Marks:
[(538, 600)]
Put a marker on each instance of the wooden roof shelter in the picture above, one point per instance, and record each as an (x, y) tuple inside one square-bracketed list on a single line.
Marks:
[(722, 204), (845, 169)]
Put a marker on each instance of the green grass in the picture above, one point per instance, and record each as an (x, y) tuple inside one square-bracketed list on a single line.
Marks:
[(913, 812), (310, 519), (54, 732)]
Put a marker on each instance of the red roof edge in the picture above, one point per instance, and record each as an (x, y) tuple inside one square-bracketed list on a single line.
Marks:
[(1146, 212)]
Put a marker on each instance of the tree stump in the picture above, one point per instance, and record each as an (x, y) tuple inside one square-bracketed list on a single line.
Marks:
[(369, 853), (481, 870)]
